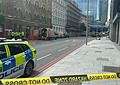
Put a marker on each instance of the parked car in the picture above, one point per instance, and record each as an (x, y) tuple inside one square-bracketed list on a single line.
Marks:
[(17, 58)]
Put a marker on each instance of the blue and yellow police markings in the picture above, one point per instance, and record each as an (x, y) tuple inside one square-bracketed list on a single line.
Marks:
[(34, 53), (20, 59), (7, 50), (11, 65), (11, 71), (28, 55), (1, 66), (15, 63)]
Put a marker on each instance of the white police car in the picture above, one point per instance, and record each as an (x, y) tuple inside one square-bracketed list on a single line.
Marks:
[(16, 58)]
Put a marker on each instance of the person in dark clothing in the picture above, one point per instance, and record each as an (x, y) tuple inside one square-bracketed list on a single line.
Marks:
[(99, 36)]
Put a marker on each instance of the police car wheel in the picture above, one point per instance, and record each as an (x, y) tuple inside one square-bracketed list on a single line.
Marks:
[(28, 69)]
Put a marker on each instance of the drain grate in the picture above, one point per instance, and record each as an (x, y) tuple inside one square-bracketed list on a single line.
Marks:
[(98, 51), (109, 48), (102, 59), (111, 69)]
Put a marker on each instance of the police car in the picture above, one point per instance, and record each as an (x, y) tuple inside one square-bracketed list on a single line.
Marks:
[(17, 58)]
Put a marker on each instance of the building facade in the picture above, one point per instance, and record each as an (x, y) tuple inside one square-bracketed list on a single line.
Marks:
[(93, 8), (73, 18), (115, 21), (2, 19), (28, 16), (103, 10), (59, 16)]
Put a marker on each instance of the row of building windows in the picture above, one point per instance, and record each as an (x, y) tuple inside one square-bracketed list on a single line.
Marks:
[(59, 14), (73, 14), (38, 3), (57, 6), (26, 11), (56, 9), (58, 21), (62, 2), (59, 29)]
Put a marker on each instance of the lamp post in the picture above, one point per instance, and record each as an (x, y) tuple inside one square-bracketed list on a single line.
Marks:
[(87, 22)]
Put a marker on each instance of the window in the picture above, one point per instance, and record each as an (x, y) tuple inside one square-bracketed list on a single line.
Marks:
[(3, 53), (15, 49), (24, 47)]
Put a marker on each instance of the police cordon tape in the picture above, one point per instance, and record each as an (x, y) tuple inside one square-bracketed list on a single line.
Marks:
[(60, 79)]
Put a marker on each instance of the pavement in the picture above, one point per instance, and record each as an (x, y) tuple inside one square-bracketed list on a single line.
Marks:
[(50, 52), (99, 56)]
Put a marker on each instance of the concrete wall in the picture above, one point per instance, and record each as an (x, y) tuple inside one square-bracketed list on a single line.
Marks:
[(115, 22), (115, 32)]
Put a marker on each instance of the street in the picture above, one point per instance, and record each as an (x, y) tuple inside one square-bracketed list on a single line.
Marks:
[(58, 38), (96, 58), (50, 52)]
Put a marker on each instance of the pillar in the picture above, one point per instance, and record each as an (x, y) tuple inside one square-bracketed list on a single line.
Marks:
[(119, 33), (116, 39)]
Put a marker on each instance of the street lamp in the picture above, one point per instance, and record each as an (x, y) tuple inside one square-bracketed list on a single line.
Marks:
[(87, 22)]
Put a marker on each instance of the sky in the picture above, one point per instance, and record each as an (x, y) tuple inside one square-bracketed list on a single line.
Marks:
[(84, 4), (94, 10)]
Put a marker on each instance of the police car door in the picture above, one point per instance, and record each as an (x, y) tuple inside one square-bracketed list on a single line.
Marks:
[(4, 61), (15, 63)]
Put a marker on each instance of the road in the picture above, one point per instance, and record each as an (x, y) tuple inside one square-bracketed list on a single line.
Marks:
[(50, 52)]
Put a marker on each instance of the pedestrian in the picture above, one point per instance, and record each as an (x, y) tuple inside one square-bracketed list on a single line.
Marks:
[(99, 36)]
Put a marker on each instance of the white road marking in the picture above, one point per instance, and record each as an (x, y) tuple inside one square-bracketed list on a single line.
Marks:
[(62, 49), (44, 56)]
